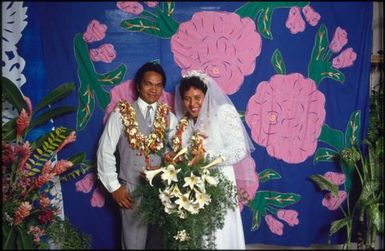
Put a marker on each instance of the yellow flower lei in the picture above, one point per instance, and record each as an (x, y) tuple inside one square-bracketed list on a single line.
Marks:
[(138, 141)]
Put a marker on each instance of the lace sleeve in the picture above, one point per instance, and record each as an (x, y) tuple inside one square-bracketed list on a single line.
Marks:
[(232, 147)]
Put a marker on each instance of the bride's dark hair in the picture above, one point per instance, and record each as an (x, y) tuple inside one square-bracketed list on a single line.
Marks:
[(193, 81)]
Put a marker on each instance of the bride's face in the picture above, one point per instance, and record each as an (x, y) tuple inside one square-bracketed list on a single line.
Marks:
[(192, 101)]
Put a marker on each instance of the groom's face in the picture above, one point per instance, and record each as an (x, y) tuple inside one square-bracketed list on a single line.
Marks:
[(192, 101), (151, 87)]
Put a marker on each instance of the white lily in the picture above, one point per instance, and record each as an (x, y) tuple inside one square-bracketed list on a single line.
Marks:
[(184, 201), (170, 174), (209, 179), (168, 207), (202, 199), (213, 163), (182, 151), (150, 174), (192, 181), (164, 196), (175, 192)]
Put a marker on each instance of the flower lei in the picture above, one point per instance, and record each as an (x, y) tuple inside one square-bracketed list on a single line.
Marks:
[(196, 140), (145, 144)]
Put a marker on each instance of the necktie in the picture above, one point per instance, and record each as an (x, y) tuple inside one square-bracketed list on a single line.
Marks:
[(148, 116)]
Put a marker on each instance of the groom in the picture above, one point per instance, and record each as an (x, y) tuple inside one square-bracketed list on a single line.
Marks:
[(135, 152)]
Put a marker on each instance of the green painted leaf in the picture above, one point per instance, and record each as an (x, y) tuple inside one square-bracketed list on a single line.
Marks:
[(278, 199), (268, 174), (55, 95), (12, 94), (278, 63), (264, 22), (77, 158), (348, 171), (352, 132), (325, 184), (325, 154), (85, 108), (332, 137), (114, 77), (256, 220)]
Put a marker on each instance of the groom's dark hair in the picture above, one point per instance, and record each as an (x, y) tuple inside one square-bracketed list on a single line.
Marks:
[(150, 66), (193, 81)]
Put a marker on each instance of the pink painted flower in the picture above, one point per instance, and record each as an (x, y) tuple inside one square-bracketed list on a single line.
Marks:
[(105, 53), (130, 7), (151, 4), (247, 180), (221, 44), (295, 22), (286, 115), (345, 59), (311, 16), (290, 216), (331, 202), (335, 178), (275, 226), (85, 185), (95, 31), (97, 199), (126, 91), (340, 39)]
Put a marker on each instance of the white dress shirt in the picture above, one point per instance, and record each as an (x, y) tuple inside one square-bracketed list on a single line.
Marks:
[(106, 162)]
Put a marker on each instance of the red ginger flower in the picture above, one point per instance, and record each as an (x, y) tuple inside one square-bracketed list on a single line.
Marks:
[(62, 166), (22, 212), (70, 138), (24, 118)]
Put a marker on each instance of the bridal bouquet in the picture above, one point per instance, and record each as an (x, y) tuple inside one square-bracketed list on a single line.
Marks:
[(187, 200)]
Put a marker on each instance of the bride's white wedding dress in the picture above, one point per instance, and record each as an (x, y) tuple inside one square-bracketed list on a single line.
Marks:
[(228, 142)]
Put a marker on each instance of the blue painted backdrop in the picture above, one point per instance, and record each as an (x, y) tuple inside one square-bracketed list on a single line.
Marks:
[(50, 47)]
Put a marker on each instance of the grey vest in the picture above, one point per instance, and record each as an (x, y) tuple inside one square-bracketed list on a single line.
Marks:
[(131, 162)]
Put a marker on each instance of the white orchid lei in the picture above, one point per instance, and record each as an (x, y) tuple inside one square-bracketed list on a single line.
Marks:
[(193, 198), (151, 143)]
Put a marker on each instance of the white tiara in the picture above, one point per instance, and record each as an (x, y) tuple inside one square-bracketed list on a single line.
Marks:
[(201, 75)]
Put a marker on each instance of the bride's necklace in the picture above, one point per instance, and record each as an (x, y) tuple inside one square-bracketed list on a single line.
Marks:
[(145, 144), (196, 141)]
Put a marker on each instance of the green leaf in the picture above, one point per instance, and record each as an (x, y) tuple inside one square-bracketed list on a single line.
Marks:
[(338, 224), (376, 217), (13, 94), (325, 184), (268, 174), (8, 131), (9, 237), (24, 240), (50, 114), (332, 137), (77, 158), (324, 154), (55, 95), (278, 63), (352, 132)]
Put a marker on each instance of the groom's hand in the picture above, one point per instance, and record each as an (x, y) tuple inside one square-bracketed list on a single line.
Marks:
[(123, 198)]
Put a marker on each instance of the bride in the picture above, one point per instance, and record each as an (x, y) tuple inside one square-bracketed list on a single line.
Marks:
[(212, 114)]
